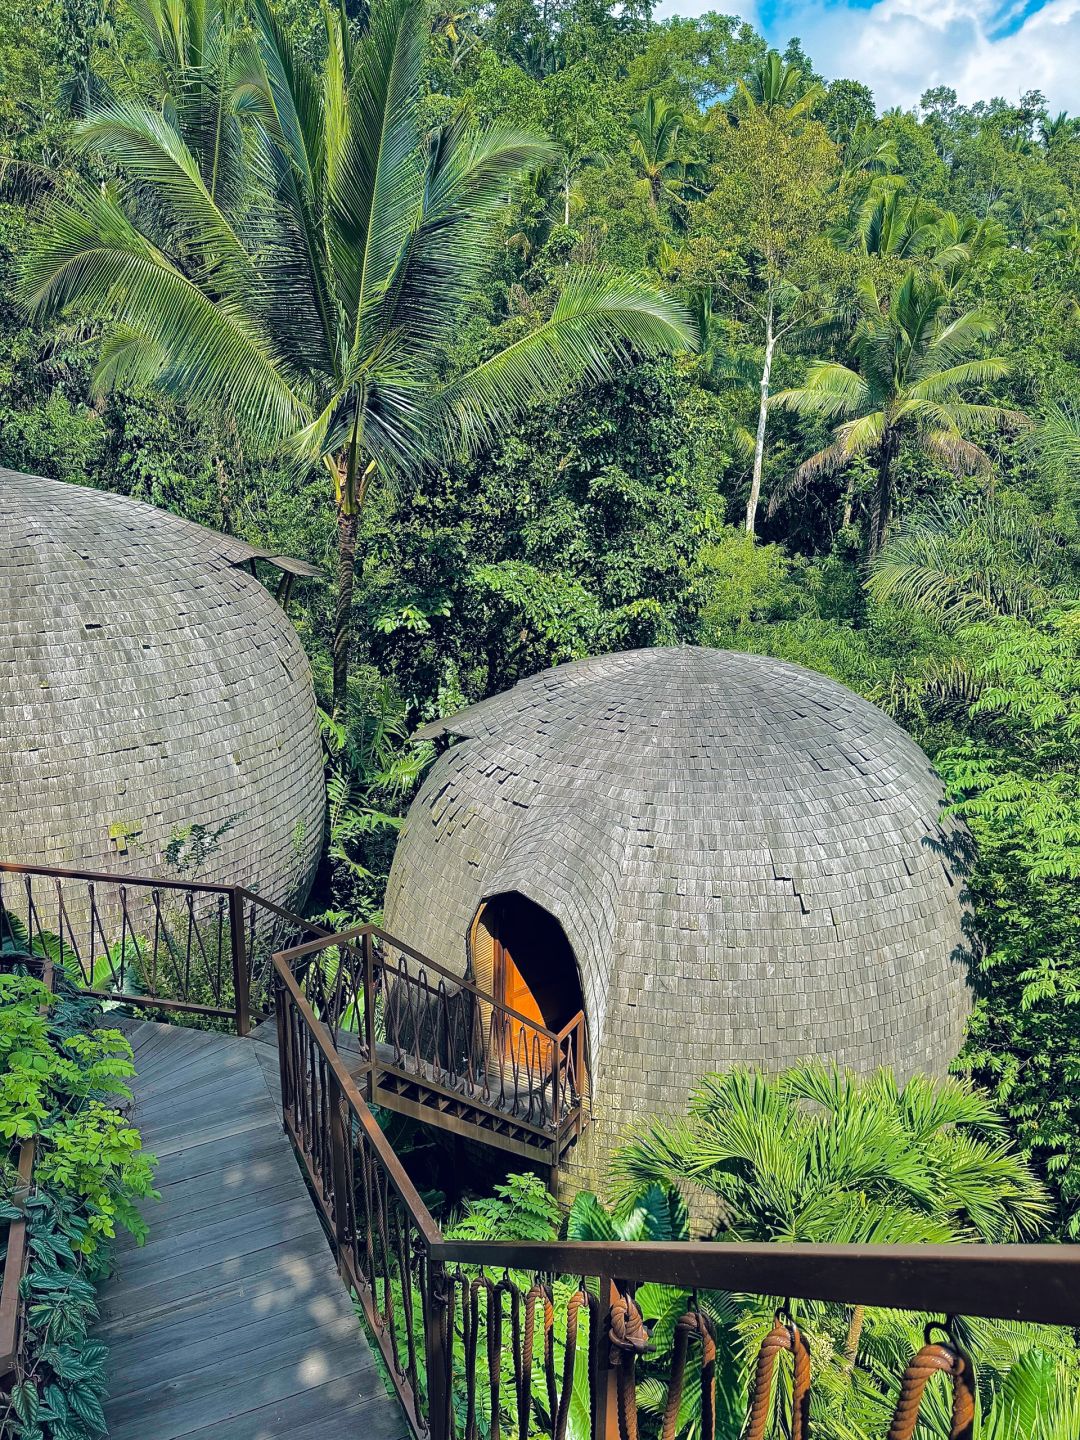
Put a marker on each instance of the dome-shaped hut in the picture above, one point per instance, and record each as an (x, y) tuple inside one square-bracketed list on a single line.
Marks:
[(148, 684), (720, 857)]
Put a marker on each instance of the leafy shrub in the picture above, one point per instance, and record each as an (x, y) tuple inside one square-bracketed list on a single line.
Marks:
[(61, 1076)]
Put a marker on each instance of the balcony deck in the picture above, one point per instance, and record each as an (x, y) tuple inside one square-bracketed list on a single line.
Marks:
[(232, 1320)]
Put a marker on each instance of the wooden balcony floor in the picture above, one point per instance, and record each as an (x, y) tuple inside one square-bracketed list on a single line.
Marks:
[(231, 1322)]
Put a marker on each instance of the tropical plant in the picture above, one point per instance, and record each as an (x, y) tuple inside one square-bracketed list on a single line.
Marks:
[(961, 558), (657, 150), (818, 1154), (891, 225), (1015, 780), (914, 366), (199, 47), (776, 85), (61, 1080), (867, 152), (1057, 444), (959, 243), (321, 309)]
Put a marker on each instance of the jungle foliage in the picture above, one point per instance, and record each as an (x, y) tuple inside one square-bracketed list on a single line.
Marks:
[(62, 1084), (869, 466)]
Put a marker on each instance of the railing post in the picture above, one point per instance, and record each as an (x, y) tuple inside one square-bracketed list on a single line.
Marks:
[(241, 993), (339, 1173), (556, 1086), (605, 1375), (282, 1013), (367, 950), (437, 1352)]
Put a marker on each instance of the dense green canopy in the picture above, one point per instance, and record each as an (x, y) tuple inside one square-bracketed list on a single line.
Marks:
[(872, 467)]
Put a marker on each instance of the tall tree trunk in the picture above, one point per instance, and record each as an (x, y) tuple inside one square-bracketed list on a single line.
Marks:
[(763, 415), (224, 497), (882, 507), (566, 195), (348, 524), (849, 500)]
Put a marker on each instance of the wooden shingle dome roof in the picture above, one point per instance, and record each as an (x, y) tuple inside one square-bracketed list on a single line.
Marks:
[(147, 684), (747, 859)]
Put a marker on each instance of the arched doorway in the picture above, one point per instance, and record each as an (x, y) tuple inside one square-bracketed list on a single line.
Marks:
[(520, 954)]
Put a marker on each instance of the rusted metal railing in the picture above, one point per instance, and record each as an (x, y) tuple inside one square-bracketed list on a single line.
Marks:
[(496, 1337), (420, 1038), (172, 946)]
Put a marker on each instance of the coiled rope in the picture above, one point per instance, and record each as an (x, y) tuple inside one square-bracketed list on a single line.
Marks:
[(784, 1335), (692, 1325), (627, 1339), (936, 1359)]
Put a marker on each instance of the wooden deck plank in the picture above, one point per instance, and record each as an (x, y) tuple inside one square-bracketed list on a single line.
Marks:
[(302, 1258), (339, 1410), (232, 1320), (223, 1389), (232, 1312), (201, 1066), (199, 1156), (174, 1217), (228, 1126)]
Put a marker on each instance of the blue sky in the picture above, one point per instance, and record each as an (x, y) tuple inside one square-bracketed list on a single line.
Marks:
[(899, 48)]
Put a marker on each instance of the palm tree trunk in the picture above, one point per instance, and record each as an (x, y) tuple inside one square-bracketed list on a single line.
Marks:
[(882, 507), (851, 1341), (849, 501), (348, 524), (763, 415)]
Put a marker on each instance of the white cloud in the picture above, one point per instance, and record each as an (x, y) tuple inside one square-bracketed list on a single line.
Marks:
[(902, 47)]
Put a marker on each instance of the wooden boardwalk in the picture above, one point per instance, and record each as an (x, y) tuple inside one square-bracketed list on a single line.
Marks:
[(231, 1322)]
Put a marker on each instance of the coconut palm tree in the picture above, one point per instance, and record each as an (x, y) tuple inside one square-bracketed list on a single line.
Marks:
[(775, 85), (320, 307), (656, 147), (913, 367)]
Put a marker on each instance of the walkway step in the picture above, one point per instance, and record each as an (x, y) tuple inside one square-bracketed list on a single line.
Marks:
[(232, 1321)]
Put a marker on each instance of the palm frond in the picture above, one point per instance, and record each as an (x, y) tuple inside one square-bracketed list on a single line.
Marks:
[(960, 559), (961, 456), (600, 320), (141, 142), (94, 256), (444, 257), (830, 390), (379, 186), (939, 384)]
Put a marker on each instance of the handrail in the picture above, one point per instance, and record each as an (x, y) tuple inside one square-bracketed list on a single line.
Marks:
[(350, 1091), (571, 1025), (461, 982), (186, 956), (1039, 1283), (112, 877)]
